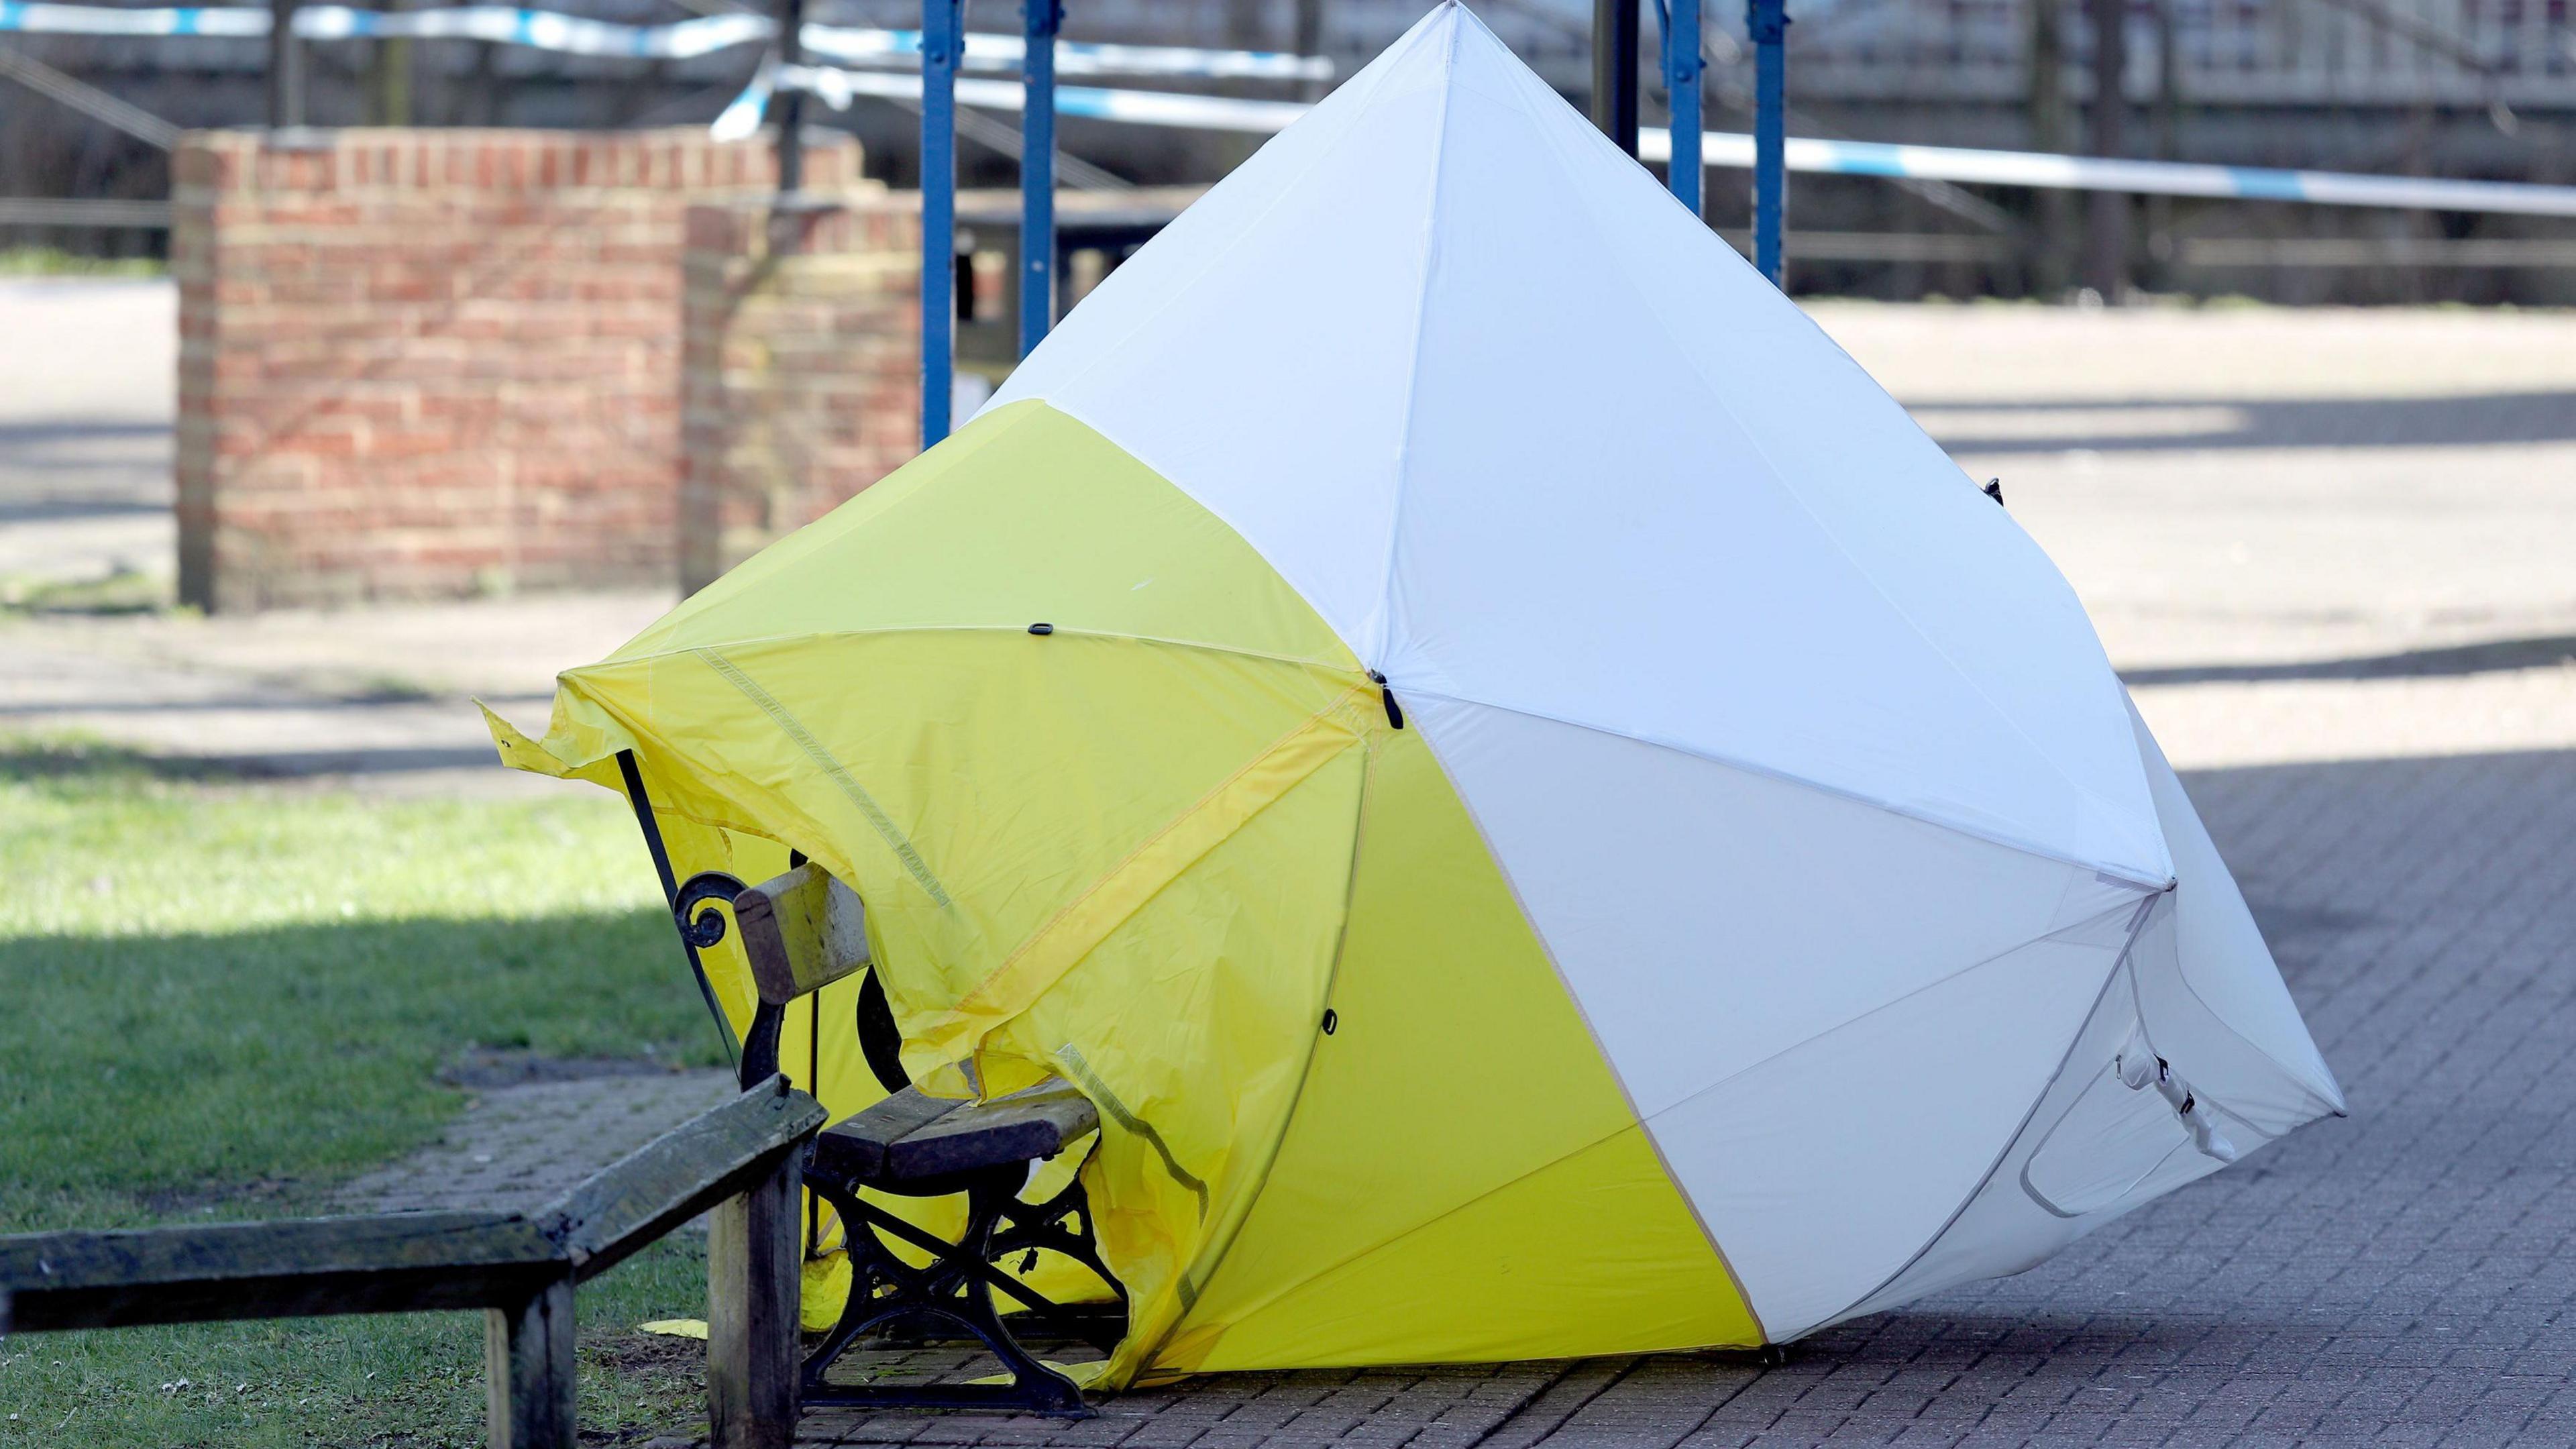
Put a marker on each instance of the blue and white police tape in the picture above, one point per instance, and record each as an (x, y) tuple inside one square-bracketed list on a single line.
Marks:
[(837, 88), (577, 35), (1734, 150), (2151, 178), (1072, 57)]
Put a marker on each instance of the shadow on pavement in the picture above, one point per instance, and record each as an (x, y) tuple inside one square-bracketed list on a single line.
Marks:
[(2492, 657), (2392, 422)]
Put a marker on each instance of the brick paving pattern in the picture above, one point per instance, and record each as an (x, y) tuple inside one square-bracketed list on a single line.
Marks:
[(2332, 550), (523, 1144), (2401, 1277), (2405, 829)]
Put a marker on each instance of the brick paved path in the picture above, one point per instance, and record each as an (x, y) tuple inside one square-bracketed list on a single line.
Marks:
[(2401, 1277), (2249, 502), (2406, 831)]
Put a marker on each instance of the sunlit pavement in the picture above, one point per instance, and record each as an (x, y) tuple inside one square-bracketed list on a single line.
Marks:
[(2334, 553)]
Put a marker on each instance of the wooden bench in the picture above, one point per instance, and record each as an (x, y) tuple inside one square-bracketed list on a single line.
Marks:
[(744, 1159), (801, 932)]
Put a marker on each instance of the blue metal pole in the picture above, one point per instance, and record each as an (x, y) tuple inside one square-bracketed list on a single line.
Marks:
[(1767, 22), (1681, 81), (1037, 173), (943, 23)]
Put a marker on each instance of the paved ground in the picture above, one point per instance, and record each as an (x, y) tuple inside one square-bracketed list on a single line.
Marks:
[(378, 700), (2336, 555), (533, 1129), (2404, 1277), (87, 386)]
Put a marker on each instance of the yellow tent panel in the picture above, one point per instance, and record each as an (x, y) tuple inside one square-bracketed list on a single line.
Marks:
[(1126, 812)]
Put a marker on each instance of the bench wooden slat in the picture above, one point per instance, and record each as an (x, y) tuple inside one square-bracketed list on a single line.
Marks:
[(678, 1175), (911, 1137), (399, 1262), (381, 1263), (858, 1146), (802, 931)]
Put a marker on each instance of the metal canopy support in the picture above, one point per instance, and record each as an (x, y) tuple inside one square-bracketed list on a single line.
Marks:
[(1614, 71), (943, 24), (1767, 23), (1037, 173), (787, 106), (1682, 83), (2106, 241), (285, 68)]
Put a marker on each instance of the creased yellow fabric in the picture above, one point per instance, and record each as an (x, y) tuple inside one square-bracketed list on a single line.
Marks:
[(1143, 848), (1072, 934)]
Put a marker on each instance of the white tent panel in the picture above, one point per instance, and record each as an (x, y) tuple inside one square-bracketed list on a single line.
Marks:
[(1825, 1171), (1524, 431), (1258, 351), (1971, 589), (2219, 997), (1708, 918), (1590, 531), (2098, 1147)]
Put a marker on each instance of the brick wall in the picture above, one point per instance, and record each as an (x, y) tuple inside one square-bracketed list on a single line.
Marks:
[(436, 362), (801, 375)]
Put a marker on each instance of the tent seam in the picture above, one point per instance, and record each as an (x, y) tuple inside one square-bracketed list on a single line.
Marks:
[(1889, 1004), (1314, 1047), (1560, 1159), (2120, 963), (1252, 224), (1385, 621), (1716, 396), (833, 770), (811, 635), (1749, 767), (1295, 733), (1600, 1047), (1142, 456)]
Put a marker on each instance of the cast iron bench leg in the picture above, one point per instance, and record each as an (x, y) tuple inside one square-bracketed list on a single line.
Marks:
[(955, 1288)]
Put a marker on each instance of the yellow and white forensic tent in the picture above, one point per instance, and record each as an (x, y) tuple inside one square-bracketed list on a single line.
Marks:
[(1547, 815)]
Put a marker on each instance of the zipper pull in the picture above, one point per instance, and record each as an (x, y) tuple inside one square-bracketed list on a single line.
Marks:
[(1386, 692)]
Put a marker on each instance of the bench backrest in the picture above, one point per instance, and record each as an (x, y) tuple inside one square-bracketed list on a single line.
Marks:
[(802, 931)]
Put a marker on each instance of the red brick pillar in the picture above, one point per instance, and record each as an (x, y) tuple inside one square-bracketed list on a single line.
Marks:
[(801, 376), (421, 363)]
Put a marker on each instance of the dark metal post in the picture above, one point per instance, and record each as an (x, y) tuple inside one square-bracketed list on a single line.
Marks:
[(1681, 80), (2106, 260), (1037, 173), (285, 68), (943, 24), (2051, 130), (1614, 71), (388, 79), (787, 104), (1310, 41), (1767, 23)]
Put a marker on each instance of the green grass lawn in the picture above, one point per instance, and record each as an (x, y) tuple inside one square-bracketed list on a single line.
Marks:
[(224, 998)]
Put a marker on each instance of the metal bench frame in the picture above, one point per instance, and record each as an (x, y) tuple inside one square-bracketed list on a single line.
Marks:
[(801, 932)]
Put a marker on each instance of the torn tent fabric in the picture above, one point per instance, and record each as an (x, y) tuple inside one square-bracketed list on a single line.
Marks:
[(1545, 813)]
